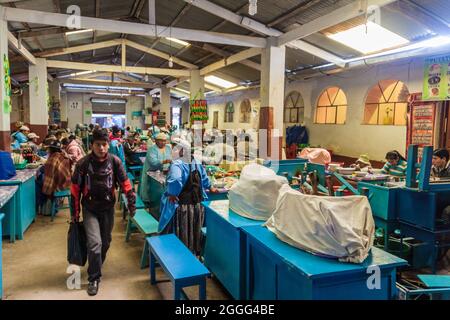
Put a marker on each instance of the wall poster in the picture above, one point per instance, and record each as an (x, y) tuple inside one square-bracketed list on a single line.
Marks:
[(436, 84), (422, 125)]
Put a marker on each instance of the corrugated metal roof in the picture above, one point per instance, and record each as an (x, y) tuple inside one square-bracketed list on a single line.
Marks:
[(440, 8), (269, 11)]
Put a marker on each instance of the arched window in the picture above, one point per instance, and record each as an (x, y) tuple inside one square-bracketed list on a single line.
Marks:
[(229, 111), (387, 103), (294, 108), (245, 111), (332, 107)]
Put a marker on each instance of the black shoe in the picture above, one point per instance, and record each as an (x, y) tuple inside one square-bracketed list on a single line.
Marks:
[(93, 288)]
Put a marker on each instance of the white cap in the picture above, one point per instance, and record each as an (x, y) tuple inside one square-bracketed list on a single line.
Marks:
[(33, 136), (161, 136)]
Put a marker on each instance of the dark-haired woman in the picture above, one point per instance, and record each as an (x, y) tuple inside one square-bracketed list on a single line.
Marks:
[(396, 164)]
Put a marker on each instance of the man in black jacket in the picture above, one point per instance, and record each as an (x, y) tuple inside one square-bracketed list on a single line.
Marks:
[(94, 183)]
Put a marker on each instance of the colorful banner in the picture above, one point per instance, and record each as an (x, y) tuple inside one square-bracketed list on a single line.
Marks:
[(436, 84), (199, 110), (7, 81)]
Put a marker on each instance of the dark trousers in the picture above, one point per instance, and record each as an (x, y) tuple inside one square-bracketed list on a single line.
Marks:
[(98, 228)]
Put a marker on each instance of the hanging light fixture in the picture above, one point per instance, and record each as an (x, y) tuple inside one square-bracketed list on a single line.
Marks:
[(146, 78), (252, 7), (170, 44)]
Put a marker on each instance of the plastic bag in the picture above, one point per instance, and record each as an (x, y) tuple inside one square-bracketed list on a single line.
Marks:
[(335, 227), (76, 244), (255, 194)]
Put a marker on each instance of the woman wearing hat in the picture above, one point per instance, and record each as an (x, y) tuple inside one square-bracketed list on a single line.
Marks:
[(55, 175), (20, 137), (181, 209), (363, 163), (158, 157), (32, 142)]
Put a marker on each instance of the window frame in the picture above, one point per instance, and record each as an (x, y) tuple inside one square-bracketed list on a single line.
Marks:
[(296, 107), (332, 105), (246, 114), (385, 102)]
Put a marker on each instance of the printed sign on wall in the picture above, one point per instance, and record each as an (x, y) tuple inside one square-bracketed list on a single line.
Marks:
[(436, 84)]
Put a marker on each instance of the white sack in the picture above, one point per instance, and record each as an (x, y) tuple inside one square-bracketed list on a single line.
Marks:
[(255, 195), (340, 227)]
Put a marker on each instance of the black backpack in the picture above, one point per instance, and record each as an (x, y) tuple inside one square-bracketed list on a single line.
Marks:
[(192, 190), (100, 185)]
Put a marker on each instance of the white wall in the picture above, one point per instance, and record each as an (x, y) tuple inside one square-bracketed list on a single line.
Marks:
[(354, 138), (218, 103), (74, 115), (134, 103)]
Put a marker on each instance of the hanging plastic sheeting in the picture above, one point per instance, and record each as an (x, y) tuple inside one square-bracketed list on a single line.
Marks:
[(254, 196), (335, 227), (316, 155), (296, 135)]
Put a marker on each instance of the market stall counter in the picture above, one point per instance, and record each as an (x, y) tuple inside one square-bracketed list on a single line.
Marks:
[(225, 245), (26, 200), (279, 271), (8, 206)]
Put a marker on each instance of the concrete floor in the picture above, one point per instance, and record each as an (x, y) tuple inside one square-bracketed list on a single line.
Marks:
[(35, 268)]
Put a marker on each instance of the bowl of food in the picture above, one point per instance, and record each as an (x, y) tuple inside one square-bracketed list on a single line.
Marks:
[(332, 167), (220, 183), (361, 174), (346, 171)]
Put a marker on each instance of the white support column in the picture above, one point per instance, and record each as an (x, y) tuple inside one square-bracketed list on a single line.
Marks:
[(5, 140), (272, 91), (165, 102), (63, 109), (38, 97)]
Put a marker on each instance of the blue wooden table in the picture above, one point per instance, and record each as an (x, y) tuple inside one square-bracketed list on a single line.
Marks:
[(1, 274), (225, 245), (9, 205), (276, 270), (26, 200), (157, 186)]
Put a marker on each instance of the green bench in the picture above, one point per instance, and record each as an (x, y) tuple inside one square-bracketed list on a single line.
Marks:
[(147, 225), (59, 195), (124, 204)]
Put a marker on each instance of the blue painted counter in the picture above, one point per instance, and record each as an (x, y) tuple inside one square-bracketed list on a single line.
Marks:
[(26, 200), (276, 270), (157, 186), (9, 205), (1, 263), (225, 245)]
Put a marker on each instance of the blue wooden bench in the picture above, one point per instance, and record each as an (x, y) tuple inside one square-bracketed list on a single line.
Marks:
[(147, 225), (182, 267), (59, 195), (124, 204)]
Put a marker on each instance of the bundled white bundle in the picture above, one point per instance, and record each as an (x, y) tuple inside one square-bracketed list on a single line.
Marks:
[(255, 195), (340, 227)]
